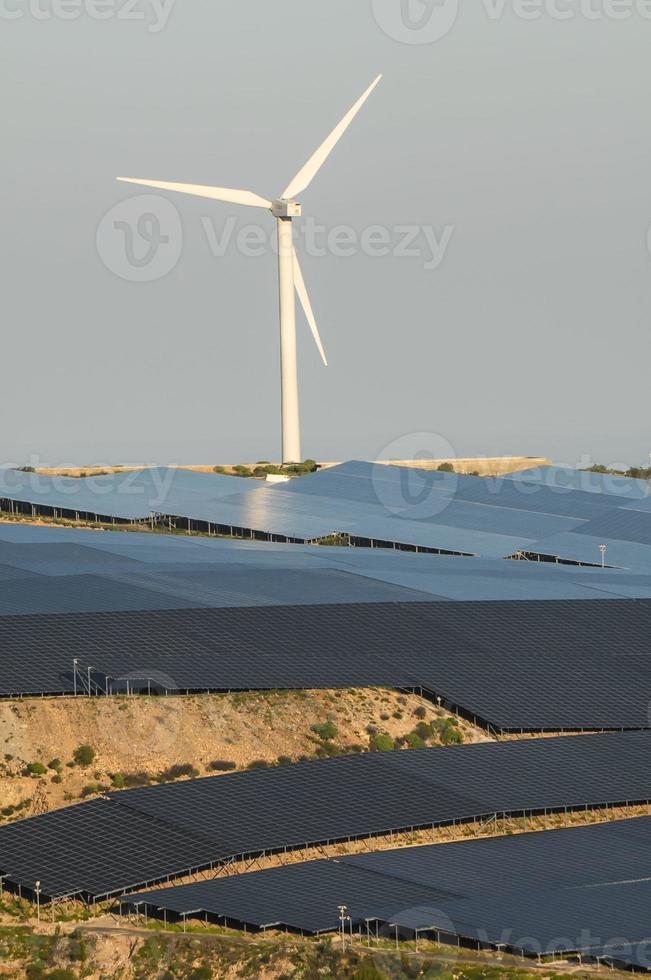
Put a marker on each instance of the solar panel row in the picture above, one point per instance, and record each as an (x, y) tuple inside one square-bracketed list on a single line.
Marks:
[(513, 665), (74, 570), (586, 888), (441, 511), (131, 837)]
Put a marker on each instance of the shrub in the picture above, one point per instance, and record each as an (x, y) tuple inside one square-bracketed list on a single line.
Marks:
[(446, 468), (178, 770), (326, 730), (424, 730), (221, 765), (136, 779), (381, 743), (118, 780), (54, 764), (56, 779), (258, 764), (451, 736), (384, 716), (84, 755), (327, 750), (414, 741), (36, 769), (420, 712), (371, 730), (89, 790), (284, 760)]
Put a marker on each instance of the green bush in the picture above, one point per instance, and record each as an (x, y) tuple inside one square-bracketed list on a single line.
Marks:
[(446, 468), (89, 790), (414, 741), (451, 736), (381, 743), (423, 730), (222, 765), (56, 779), (36, 769), (55, 764), (326, 730), (118, 780), (84, 755)]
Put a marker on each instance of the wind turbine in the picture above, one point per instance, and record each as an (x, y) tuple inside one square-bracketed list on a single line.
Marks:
[(284, 209)]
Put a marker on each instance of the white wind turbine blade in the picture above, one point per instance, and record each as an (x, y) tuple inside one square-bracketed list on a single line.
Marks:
[(309, 169), (299, 283), (201, 190)]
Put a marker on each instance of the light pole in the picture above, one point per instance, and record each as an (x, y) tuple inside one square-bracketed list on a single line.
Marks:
[(602, 549), (74, 674), (89, 670), (342, 920), (37, 889)]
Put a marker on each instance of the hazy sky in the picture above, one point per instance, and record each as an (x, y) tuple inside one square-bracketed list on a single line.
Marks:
[(515, 149)]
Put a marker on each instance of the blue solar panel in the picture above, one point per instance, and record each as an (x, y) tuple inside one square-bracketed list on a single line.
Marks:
[(447, 512)]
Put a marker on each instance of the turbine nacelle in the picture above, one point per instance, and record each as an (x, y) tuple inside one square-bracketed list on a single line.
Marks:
[(285, 207)]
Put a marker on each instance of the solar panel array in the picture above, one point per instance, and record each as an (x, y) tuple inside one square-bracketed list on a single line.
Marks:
[(131, 837), (538, 511), (565, 890), (513, 665)]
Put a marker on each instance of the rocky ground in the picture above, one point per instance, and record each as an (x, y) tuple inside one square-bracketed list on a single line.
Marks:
[(98, 952)]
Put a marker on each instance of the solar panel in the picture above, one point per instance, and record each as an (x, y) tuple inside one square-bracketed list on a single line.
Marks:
[(134, 836), (514, 665), (562, 890), (450, 512)]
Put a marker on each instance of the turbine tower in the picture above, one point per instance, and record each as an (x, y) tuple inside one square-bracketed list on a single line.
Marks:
[(290, 278)]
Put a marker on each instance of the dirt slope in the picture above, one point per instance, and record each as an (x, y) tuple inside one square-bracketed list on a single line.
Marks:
[(138, 735)]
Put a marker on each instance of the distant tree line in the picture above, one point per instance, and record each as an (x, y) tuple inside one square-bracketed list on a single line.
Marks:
[(634, 472)]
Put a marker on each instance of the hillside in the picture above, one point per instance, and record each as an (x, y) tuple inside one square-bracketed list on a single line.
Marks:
[(136, 739)]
